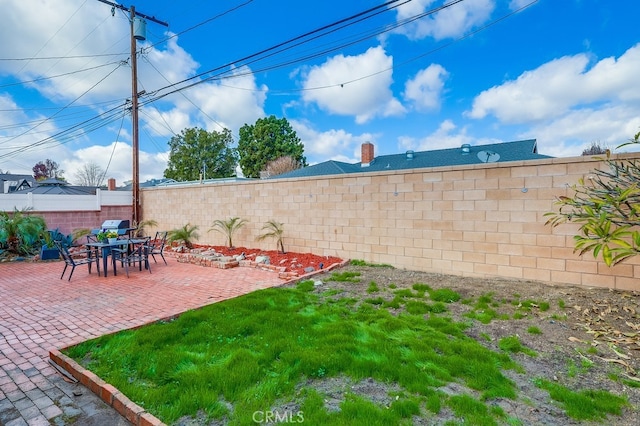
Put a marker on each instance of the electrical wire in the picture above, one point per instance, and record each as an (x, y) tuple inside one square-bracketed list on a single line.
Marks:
[(415, 58), (368, 13), (199, 24), (341, 24), (37, 80), (52, 116), (106, 170), (103, 119), (56, 33), (277, 46), (184, 96)]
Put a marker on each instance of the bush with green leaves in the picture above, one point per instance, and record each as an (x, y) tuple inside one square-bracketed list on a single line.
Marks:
[(21, 233), (184, 235), (607, 207)]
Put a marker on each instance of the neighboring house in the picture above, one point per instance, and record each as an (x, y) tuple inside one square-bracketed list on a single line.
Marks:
[(128, 186), (171, 182), (466, 154), (56, 186), (12, 183)]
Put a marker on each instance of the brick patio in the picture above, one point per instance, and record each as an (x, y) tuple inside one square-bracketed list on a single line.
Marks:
[(40, 312)]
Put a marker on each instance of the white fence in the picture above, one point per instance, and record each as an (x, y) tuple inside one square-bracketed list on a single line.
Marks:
[(64, 202)]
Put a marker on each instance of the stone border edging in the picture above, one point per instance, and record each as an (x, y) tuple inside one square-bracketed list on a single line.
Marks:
[(227, 262), (116, 399), (108, 393)]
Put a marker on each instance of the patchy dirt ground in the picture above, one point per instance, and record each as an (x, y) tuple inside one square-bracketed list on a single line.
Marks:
[(589, 339)]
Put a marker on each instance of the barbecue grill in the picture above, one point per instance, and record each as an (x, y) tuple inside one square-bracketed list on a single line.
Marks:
[(120, 226)]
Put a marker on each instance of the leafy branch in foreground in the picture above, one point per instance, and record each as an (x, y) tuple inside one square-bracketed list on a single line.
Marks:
[(607, 207)]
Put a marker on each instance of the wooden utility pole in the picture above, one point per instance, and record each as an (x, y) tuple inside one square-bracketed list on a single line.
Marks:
[(134, 102), (135, 146)]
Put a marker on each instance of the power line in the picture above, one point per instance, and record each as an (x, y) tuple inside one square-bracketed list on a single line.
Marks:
[(279, 45), (37, 80), (282, 47), (278, 48), (51, 58), (52, 116)]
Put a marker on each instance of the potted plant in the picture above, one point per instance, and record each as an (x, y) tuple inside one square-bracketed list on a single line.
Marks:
[(112, 236), (106, 235), (48, 251)]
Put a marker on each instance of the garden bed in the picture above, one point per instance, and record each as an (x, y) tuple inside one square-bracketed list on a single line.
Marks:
[(296, 264)]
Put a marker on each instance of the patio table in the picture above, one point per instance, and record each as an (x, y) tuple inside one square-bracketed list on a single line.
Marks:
[(105, 248)]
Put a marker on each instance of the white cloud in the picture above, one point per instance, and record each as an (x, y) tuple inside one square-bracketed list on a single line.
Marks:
[(161, 67), (425, 89), (165, 123), (446, 136), (558, 86), (451, 22), (570, 133), (517, 4), (331, 144), (116, 159), (354, 85), (80, 33), (230, 103)]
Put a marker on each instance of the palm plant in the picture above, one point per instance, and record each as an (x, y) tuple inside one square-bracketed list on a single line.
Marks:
[(228, 227), (140, 227), (275, 230), (20, 231), (184, 235)]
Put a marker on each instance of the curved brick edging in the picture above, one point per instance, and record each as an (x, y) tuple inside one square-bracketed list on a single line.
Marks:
[(108, 393), (116, 399)]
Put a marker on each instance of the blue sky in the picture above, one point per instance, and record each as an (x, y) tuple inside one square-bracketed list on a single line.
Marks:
[(564, 72)]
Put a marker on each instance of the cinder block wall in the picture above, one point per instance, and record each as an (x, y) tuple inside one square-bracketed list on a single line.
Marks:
[(69, 221), (485, 220)]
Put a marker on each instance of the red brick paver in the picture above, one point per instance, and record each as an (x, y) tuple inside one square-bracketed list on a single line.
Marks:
[(40, 312)]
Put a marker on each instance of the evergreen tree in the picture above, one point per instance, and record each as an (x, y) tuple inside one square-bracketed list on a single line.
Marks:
[(195, 151), (267, 140)]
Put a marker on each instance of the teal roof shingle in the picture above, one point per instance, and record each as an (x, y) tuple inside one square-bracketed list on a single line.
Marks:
[(506, 151)]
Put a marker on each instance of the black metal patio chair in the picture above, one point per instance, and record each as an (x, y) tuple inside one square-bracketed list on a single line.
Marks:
[(83, 257), (156, 246), (135, 251)]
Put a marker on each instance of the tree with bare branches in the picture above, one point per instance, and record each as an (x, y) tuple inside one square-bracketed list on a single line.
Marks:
[(279, 166), (91, 174)]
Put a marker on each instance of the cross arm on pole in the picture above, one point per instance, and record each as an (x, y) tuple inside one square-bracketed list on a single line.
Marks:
[(142, 15)]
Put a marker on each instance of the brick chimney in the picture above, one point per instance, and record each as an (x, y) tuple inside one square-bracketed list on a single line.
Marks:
[(111, 184), (367, 154)]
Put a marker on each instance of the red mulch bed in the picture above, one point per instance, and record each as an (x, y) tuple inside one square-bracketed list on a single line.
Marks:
[(294, 262)]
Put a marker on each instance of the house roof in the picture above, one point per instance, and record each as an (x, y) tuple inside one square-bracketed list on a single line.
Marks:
[(15, 182), (496, 152), (147, 184), (56, 186)]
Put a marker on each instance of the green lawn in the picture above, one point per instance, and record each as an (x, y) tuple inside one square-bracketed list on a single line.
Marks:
[(258, 352)]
